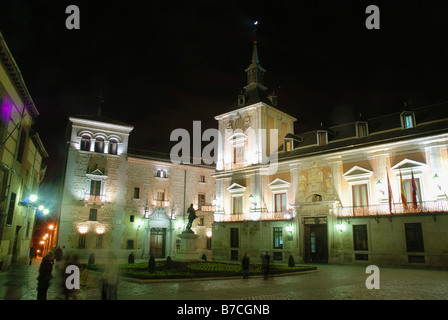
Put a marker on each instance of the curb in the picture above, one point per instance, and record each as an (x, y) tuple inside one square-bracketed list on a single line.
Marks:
[(213, 278)]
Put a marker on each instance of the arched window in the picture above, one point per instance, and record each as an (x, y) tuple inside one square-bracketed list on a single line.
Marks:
[(85, 143), (113, 146), (99, 145)]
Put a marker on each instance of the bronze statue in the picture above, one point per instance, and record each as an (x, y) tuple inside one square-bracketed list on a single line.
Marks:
[(191, 216)]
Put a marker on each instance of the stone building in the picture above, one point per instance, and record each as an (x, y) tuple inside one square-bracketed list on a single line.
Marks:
[(323, 196), (128, 200), (21, 155)]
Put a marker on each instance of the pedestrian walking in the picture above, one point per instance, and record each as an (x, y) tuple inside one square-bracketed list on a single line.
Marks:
[(58, 254), (32, 254), (43, 280), (110, 278), (83, 279), (266, 259), (245, 266)]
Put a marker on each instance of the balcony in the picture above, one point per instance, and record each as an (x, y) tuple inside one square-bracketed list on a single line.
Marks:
[(254, 216), (161, 203), (94, 198), (205, 208), (425, 207)]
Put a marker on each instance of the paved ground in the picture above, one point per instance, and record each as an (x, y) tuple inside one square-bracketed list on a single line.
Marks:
[(329, 282)]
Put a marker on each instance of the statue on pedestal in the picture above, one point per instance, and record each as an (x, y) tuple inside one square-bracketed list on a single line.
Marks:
[(191, 216)]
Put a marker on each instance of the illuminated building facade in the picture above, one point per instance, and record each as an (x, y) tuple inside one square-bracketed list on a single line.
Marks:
[(324, 197), (21, 168), (128, 201)]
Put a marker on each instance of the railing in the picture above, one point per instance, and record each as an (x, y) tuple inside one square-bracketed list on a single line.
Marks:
[(206, 208), (253, 216), (161, 203), (436, 206), (94, 198)]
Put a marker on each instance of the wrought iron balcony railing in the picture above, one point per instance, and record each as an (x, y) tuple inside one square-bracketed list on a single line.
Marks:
[(253, 216), (436, 206)]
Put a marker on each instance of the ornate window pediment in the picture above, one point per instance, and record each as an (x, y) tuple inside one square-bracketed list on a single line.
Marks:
[(406, 165), (357, 173), (236, 189), (279, 184)]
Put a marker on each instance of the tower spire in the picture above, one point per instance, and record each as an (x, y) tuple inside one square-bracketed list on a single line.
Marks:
[(255, 72)]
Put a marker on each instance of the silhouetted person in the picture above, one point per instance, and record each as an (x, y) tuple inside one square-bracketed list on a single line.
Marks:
[(245, 266), (43, 280), (58, 254), (110, 279)]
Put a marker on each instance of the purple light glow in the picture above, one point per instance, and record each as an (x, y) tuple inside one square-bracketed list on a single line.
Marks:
[(6, 108)]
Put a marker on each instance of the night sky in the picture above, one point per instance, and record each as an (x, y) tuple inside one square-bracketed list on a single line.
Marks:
[(163, 64)]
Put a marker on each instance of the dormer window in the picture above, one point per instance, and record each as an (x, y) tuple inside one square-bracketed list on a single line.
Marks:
[(161, 173), (361, 129), (99, 145), (85, 143), (241, 100), (289, 145), (407, 120), (322, 138)]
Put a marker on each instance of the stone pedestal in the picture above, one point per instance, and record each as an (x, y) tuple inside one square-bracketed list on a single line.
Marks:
[(187, 251)]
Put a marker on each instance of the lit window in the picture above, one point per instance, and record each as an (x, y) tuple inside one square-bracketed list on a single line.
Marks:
[(361, 130), (288, 145), (161, 173), (321, 138), (360, 198), (237, 205), (278, 238), (408, 120), (280, 202)]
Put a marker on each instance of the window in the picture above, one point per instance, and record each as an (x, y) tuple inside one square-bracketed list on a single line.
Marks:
[(21, 146), (130, 244), (360, 237), (280, 202), (234, 243), (113, 146), (414, 237), (93, 214), (360, 198), (361, 129), (160, 195), (161, 173), (99, 145), (237, 204), (238, 155), (82, 241), (278, 238), (407, 183), (321, 138), (136, 193), (85, 143), (99, 241), (201, 200), (202, 179), (95, 187), (288, 145), (131, 218), (12, 203)]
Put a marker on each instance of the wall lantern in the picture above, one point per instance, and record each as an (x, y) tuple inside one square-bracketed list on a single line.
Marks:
[(340, 225)]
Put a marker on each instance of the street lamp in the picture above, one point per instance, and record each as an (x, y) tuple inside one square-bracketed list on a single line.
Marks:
[(33, 198)]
